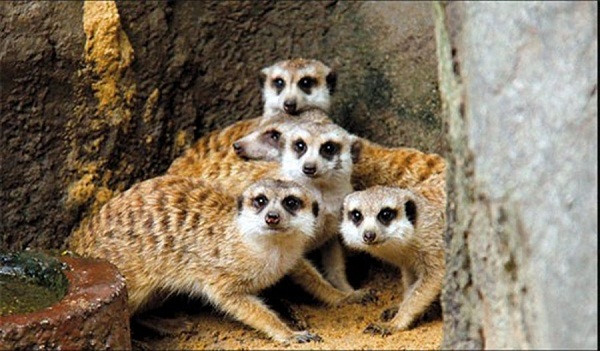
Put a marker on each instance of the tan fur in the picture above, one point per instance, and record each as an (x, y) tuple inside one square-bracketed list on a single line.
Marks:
[(218, 144), (179, 234), (417, 249), (401, 167), (215, 144)]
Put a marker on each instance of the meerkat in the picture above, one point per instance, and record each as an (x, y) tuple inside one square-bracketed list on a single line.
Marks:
[(227, 142), (405, 229), (179, 234), (315, 154), (295, 85), (375, 164), (299, 84), (267, 140)]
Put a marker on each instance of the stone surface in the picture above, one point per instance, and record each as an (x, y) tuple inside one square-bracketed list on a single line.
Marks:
[(97, 96), (519, 90), (92, 315)]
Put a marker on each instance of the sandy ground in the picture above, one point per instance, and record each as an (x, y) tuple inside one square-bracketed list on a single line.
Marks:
[(186, 325)]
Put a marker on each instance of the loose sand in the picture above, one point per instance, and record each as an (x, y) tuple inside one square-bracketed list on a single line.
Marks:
[(192, 327)]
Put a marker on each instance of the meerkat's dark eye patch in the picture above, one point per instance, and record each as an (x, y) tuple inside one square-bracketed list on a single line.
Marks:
[(331, 81), (315, 208), (329, 149), (299, 147), (355, 216), (355, 151), (240, 203), (278, 84), (410, 209), (260, 202), (307, 83), (292, 204), (386, 215), (272, 137), (262, 78)]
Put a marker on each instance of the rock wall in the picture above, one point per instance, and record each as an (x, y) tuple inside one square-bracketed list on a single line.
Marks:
[(96, 96), (519, 91)]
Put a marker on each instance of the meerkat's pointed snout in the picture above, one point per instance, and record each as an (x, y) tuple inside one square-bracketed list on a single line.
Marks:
[(290, 106), (240, 150), (237, 147), (369, 237), (272, 218), (310, 169)]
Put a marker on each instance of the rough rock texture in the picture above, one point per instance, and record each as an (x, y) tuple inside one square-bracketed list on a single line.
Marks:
[(519, 91), (92, 315), (96, 96)]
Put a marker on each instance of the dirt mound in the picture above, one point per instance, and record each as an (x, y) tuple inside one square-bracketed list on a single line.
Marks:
[(187, 326)]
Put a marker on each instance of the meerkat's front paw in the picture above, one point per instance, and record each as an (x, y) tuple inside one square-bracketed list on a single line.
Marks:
[(389, 313), (296, 318), (382, 329), (304, 336)]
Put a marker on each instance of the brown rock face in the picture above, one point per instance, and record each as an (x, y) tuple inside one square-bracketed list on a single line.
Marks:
[(97, 96)]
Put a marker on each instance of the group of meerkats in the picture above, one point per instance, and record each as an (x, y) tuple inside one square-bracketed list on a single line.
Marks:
[(241, 208)]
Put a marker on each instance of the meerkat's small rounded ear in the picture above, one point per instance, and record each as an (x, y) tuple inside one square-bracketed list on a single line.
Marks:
[(240, 203), (331, 80), (410, 209), (355, 150), (315, 208), (262, 77)]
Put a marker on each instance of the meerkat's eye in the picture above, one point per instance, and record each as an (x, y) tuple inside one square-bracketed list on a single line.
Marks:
[(306, 84), (260, 201), (300, 146), (386, 215), (274, 135), (278, 83), (292, 203), (329, 149), (355, 216), (271, 137)]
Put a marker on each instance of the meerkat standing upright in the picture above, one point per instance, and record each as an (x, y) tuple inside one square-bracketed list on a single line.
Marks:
[(289, 88), (406, 230), (178, 234)]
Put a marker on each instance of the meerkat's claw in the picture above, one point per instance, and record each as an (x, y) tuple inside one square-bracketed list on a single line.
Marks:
[(389, 313), (378, 329), (304, 336)]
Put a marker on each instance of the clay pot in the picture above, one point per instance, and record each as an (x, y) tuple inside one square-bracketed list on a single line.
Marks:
[(92, 314)]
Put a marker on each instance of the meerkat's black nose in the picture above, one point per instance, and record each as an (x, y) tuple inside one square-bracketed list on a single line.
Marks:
[(309, 169), (237, 148), (289, 106), (272, 218), (369, 237)]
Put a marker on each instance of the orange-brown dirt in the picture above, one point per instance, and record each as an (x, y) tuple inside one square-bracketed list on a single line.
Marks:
[(185, 325)]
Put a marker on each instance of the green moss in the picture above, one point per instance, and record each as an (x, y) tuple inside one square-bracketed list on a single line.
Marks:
[(30, 281)]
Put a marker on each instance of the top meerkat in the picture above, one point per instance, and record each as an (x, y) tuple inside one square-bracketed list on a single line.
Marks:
[(296, 85), (289, 88)]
